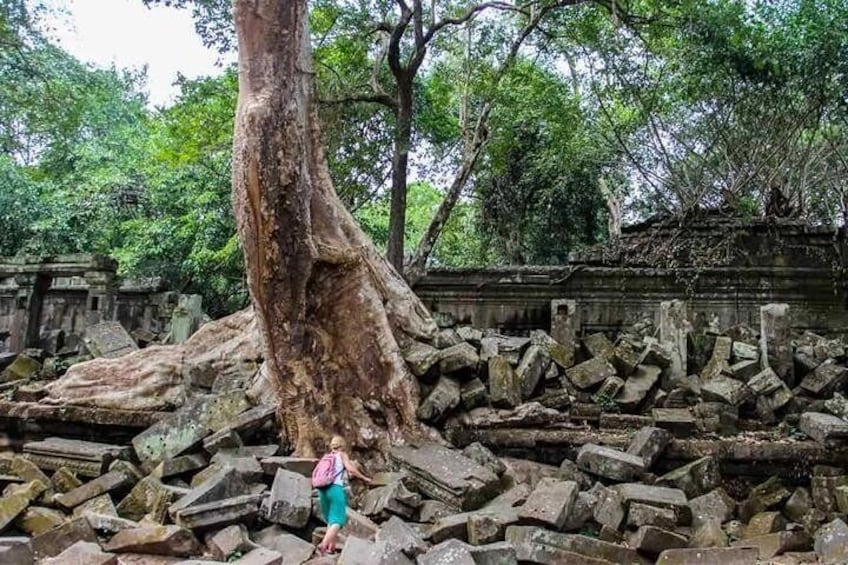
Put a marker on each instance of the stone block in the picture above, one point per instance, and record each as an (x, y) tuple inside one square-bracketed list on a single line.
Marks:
[(775, 341), (772, 545), (289, 503), (590, 373), (219, 513), (709, 534), (180, 430), (653, 540), (646, 515), (397, 534), (649, 443), (473, 393), (449, 552), (831, 542), (176, 466), (764, 523), (300, 465), (222, 483), (709, 556), (609, 463), (530, 370), (99, 504), (64, 480), (110, 482), (11, 505), (715, 505), (394, 498), (825, 379), (444, 397), (526, 538), (156, 540), (484, 456), (504, 385), (15, 551), (36, 520), (597, 345), (83, 553), (674, 328), (765, 496), (661, 497), (695, 478), (22, 368), (230, 542), (498, 553), (679, 421), (108, 524), (53, 542), (458, 358), (420, 357), (550, 503), (565, 323), (149, 497), (446, 475), (824, 428), (724, 389), (637, 387), (742, 351), (745, 370), (108, 339)]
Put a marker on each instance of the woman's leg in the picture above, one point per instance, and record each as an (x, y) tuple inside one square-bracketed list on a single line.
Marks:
[(336, 516), (329, 542)]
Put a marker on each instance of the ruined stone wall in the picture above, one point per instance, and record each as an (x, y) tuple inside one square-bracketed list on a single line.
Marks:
[(723, 272), (39, 296)]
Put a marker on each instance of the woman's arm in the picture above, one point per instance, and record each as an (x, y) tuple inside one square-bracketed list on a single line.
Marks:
[(352, 469)]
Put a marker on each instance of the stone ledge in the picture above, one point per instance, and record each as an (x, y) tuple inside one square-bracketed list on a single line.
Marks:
[(33, 411)]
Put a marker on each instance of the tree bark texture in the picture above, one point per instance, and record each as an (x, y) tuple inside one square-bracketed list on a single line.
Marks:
[(400, 166), (330, 309)]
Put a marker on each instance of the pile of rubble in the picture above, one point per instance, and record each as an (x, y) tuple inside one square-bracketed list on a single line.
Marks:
[(631, 482)]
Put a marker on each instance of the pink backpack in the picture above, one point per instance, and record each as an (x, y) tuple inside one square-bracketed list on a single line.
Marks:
[(323, 475)]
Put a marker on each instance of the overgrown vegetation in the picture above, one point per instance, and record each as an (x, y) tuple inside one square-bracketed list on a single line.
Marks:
[(607, 112)]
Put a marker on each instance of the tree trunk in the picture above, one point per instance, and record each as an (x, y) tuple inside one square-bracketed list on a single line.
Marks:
[(400, 165), (331, 310)]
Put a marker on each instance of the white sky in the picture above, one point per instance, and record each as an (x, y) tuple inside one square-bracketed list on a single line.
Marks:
[(129, 35)]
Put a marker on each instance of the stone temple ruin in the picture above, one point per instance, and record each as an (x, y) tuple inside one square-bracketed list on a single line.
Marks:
[(668, 436)]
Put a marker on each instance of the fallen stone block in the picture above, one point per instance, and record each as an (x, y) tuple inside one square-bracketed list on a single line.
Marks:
[(397, 534), (609, 463), (109, 340), (289, 503), (653, 540), (22, 368), (223, 483), (745, 370), (300, 465), (772, 545), (99, 504), (831, 542), (261, 556), (155, 540), (180, 430), (709, 556), (473, 393), (709, 534), (625, 358), (359, 551), (775, 341), (457, 358), (441, 400), (598, 345), (823, 428), (724, 389), (484, 456), (533, 365), (649, 443), (230, 542), (446, 475), (679, 421), (695, 478), (637, 387), (53, 542), (108, 524), (420, 357), (456, 525), (83, 458), (449, 552), (64, 480), (765, 496), (550, 503), (504, 384), (176, 466), (661, 497), (149, 497), (825, 379), (499, 553), (36, 520), (590, 373), (715, 505), (526, 538), (219, 513), (646, 515), (110, 482), (15, 551), (395, 498), (11, 505), (83, 553), (764, 523)]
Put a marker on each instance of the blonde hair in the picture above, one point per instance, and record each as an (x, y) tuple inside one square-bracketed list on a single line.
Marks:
[(338, 441)]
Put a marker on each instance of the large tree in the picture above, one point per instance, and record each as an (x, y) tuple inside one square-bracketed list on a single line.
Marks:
[(331, 310)]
